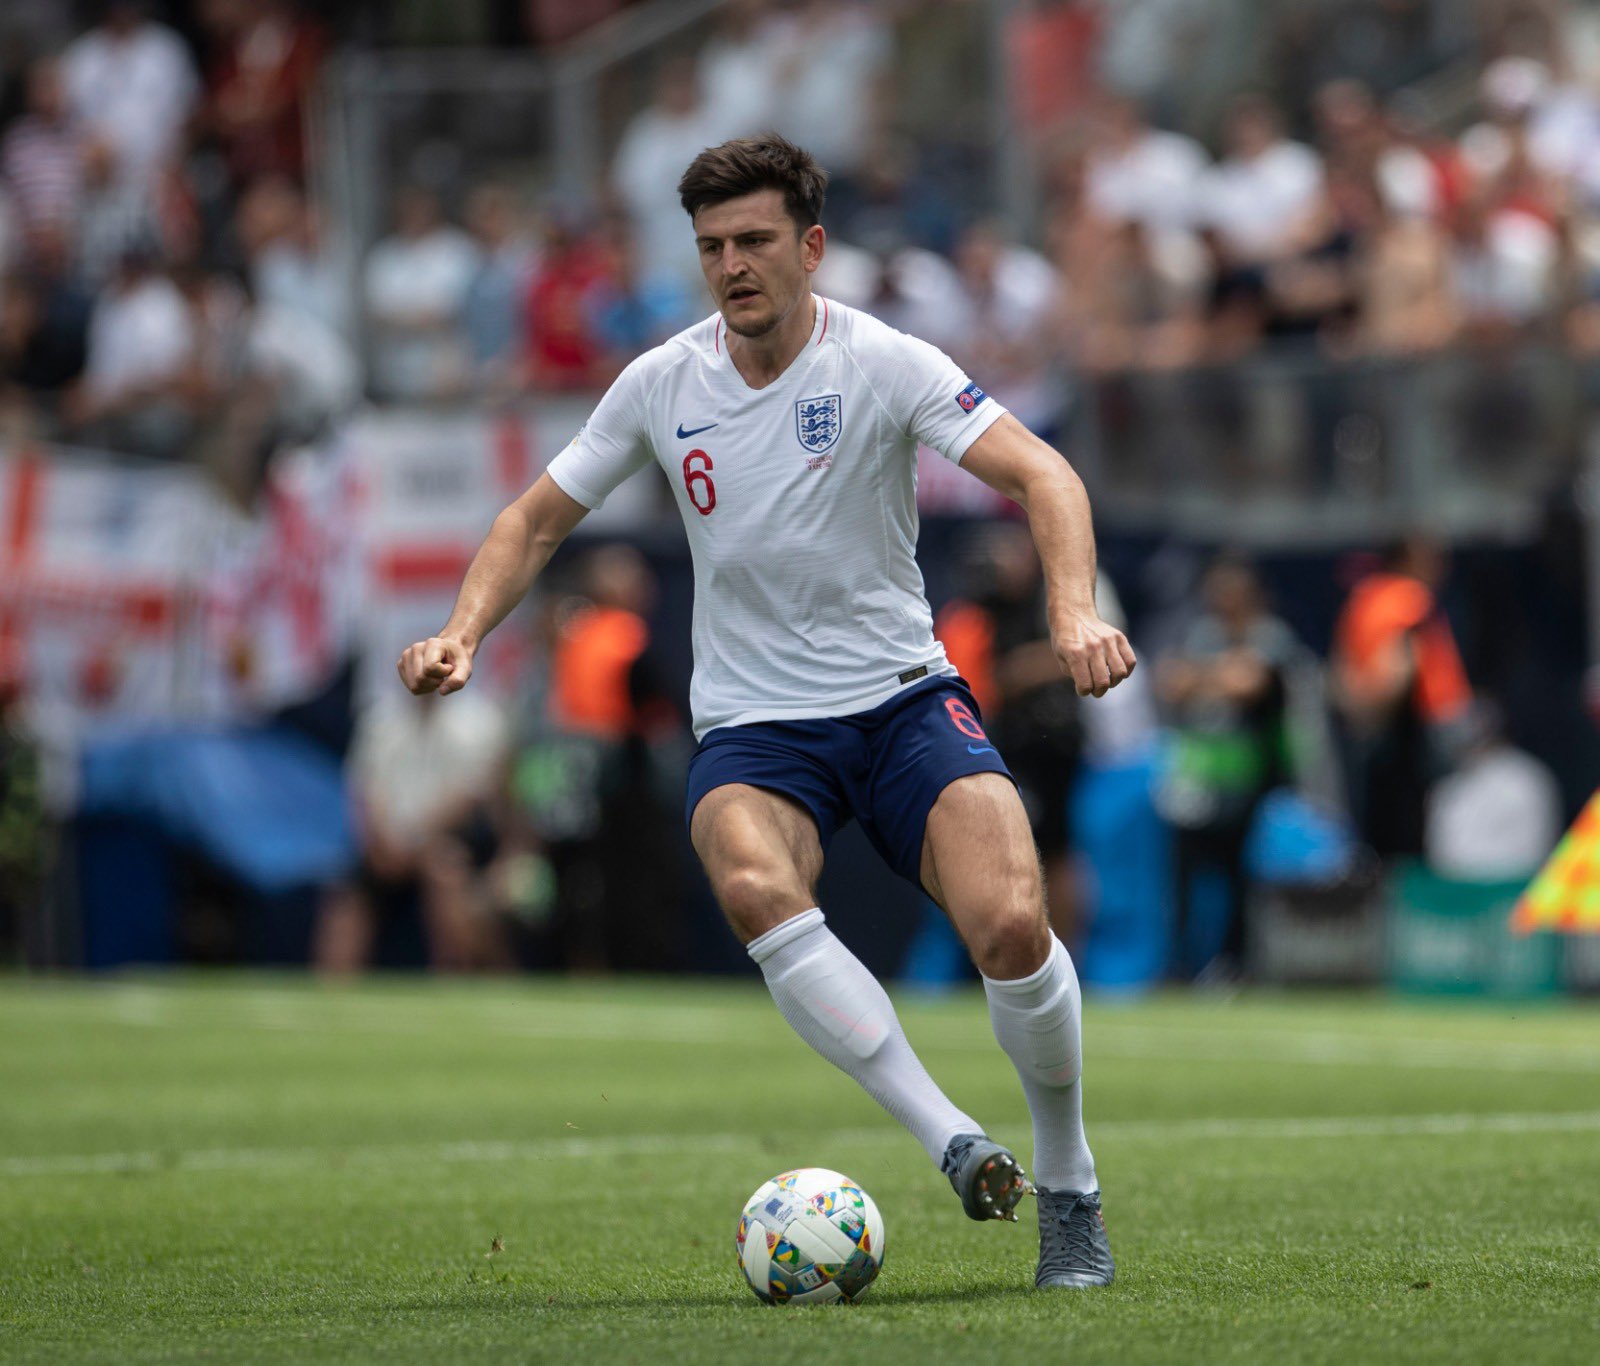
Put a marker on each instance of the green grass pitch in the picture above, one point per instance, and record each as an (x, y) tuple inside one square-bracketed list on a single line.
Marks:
[(253, 1169)]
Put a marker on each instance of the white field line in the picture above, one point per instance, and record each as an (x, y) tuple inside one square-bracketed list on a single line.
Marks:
[(643, 1145), (143, 1008)]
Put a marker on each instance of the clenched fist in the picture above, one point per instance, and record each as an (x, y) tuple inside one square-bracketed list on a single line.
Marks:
[(1096, 656), (439, 664)]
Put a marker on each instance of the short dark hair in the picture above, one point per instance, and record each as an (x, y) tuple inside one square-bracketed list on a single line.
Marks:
[(743, 166)]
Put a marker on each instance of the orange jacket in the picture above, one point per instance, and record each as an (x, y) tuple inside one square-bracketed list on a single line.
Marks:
[(1382, 609), (589, 674)]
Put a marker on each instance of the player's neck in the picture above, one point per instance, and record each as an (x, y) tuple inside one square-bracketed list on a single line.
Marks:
[(760, 360)]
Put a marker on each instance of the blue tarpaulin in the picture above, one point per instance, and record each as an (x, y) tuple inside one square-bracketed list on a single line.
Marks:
[(264, 805)]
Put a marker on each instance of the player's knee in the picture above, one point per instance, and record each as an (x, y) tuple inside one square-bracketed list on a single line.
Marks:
[(755, 899), (1013, 939)]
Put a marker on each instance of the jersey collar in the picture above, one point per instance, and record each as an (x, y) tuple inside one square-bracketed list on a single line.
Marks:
[(726, 367)]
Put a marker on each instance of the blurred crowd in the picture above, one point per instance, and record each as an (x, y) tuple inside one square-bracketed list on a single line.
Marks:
[(546, 833), (1265, 764), (1408, 178), (161, 289), (168, 287), (549, 832)]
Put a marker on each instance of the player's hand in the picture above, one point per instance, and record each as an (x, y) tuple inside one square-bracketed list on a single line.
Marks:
[(440, 664), (1094, 655)]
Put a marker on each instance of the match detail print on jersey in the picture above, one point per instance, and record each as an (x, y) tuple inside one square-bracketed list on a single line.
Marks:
[(800, 507)]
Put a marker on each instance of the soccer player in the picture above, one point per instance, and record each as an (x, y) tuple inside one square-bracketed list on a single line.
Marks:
[(788, 426)]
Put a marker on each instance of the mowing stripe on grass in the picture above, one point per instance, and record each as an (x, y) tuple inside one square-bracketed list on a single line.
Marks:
[(148, 1008), (643, 1145)]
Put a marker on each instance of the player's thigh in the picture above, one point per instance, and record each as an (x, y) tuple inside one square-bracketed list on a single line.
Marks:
[(761, 852), (980, 864)]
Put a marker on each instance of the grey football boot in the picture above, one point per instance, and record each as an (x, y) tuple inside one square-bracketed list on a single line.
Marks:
[(989, 1180), (1073, 1248)]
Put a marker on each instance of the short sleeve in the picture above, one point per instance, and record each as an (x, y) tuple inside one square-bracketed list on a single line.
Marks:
[(930, 396), (610, 446)]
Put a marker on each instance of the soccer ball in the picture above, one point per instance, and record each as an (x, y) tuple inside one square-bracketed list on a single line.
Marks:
[(810, 1236)]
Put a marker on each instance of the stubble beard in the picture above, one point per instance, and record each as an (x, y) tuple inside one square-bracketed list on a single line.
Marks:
[(755, 330)]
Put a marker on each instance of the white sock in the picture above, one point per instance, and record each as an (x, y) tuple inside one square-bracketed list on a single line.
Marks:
[(837, 1007), (1037, 1020)]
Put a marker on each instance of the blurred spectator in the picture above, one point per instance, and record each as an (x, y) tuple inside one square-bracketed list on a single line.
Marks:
[(44, 327), (1405, 303), (998, 638), (131, 86), (493, 314), (22, 816), (1147, 44), (655, 150), (45, 158), (996, 323), (265, 55), (1398, 681), (907, 287), (1259, 196), (1497, 815), (1419, 170), (631, 311), (422, 773), (1503, 267), (892, 201), (599, 645), (1226, 691), (1312, 293), (603, 821), (1500, 153), (1141, 173), (1050, 50), (1128, 304), (417, 281), (313, 376), (283, 255), (1350, 132), (563, 351), (830, 82), (288, 378), (739, 65), (141, 339)]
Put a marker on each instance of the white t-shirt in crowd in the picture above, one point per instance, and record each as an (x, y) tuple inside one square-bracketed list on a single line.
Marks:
[(1255, 203), (138, 336), (1496, 817), (408, 279), (1153, 182), (654, 153), (800, 505), (413, 759), (133, 92)]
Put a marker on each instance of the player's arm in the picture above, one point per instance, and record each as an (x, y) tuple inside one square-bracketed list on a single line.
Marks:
[(1013, 461), (519, 544)]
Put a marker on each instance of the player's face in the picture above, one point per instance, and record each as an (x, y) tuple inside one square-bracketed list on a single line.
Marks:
[(757, 263)]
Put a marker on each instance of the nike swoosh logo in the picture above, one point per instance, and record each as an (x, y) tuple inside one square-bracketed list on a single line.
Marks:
[(695, 431), (980, 749)]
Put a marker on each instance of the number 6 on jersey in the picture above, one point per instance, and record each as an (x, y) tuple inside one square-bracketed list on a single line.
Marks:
[(702, 492)]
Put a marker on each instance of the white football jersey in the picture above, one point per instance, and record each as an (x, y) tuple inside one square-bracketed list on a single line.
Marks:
[(800, 504)]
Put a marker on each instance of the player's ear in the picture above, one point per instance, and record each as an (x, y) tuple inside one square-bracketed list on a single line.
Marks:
[(813, 242)]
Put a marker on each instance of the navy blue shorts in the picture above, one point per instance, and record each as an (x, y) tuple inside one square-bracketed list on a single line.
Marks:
[(885, 767)]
